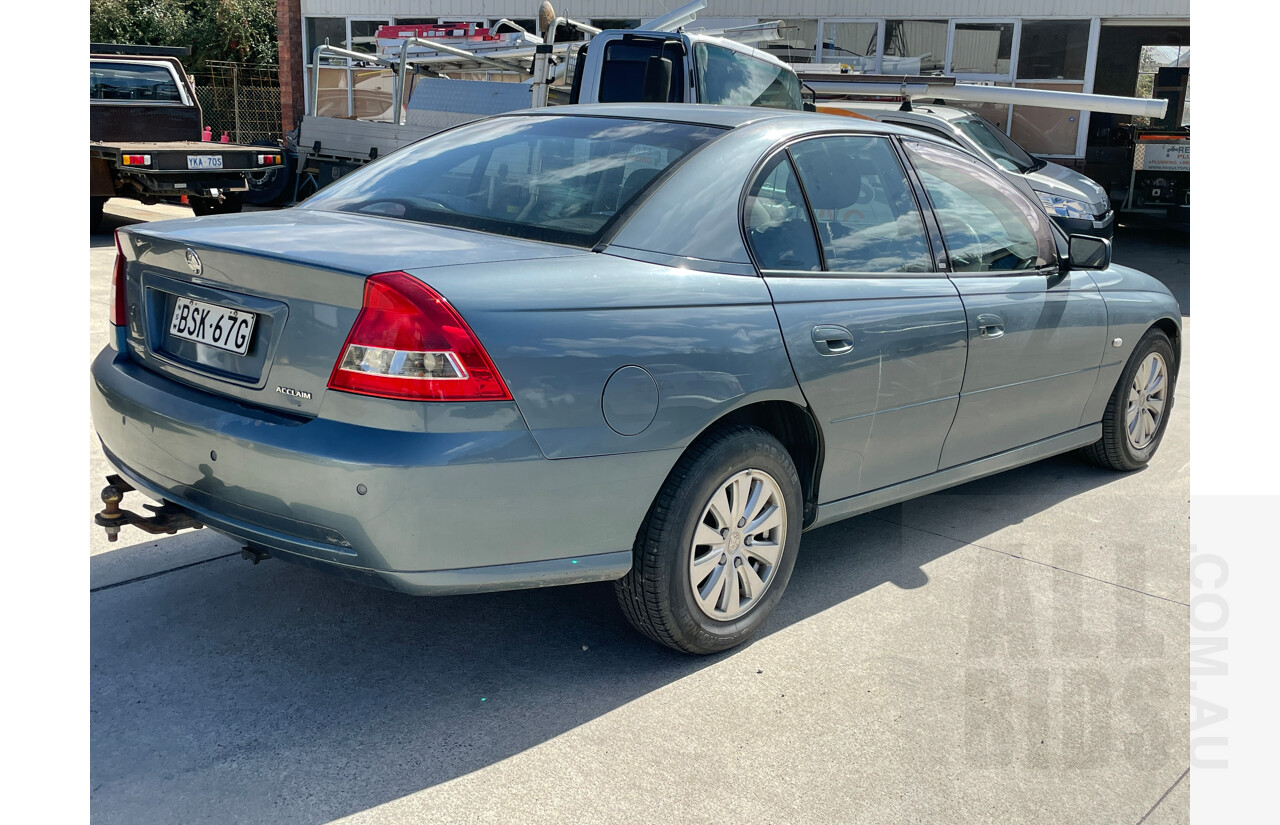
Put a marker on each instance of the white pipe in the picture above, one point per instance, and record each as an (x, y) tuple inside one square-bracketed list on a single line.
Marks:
[(974, 93), (682, 16), (1047, 98)]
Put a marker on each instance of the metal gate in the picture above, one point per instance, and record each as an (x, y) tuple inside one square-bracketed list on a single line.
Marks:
[(243, 101)]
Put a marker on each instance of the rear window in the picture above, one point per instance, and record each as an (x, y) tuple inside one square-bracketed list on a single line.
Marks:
[(130, 81), (557, 179)]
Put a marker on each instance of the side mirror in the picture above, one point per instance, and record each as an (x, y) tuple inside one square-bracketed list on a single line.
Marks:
[(1088, 252)]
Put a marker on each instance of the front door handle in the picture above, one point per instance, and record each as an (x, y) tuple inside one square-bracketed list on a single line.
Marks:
[(990, 326), (832, 340)]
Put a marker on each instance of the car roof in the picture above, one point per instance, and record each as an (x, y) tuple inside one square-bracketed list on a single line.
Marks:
[(918, 107), (703, 114)]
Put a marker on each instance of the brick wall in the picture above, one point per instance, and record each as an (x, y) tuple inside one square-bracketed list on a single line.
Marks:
[(291, 60)]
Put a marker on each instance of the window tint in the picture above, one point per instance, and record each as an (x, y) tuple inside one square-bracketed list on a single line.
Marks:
[(127, 81), (778, 227), (988, 225), (866, 216), (738, 79), (557, 179)]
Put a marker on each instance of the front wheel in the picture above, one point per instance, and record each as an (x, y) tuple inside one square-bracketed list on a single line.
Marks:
[(1138, 410), (716, 550)]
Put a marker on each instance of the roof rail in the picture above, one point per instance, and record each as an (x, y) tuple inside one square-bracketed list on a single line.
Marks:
[(139, 51)]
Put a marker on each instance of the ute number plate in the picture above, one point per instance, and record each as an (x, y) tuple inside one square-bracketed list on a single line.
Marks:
[(204, 161), (220, 327)]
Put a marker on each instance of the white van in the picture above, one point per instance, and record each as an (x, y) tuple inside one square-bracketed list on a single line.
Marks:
[(1075, 202)]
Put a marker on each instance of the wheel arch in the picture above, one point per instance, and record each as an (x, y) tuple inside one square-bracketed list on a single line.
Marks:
[(1171, 328), (795, 427)]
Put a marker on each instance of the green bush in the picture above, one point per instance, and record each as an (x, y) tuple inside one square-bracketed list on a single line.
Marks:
[(240, 30)]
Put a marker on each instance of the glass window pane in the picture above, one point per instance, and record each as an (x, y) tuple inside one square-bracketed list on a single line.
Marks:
[(850, 43), (126, 81), (866, 216), (364, 35), (914, 46), (1053, 49), (986, 223), (319, 29), (778, 227), (982, 48), (738, 79), (555, 179), (1047, 131), (628, 69)]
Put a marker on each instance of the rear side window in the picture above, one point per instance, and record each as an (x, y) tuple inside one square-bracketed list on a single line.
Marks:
[(779, 230), (738, 79), (988, 225), (558, 179), (130, 81), (866, 215)]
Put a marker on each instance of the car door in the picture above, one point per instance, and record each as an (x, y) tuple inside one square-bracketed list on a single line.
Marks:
[(875, 333), (1036, 333)]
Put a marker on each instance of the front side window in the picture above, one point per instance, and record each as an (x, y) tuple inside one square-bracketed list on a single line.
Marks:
[(555, 179), (779, 231), (988, 226), (866, 215), (737, 79), (132, 81)]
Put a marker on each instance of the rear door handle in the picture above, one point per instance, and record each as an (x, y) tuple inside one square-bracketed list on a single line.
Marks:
[(832, 340), (990, 326)]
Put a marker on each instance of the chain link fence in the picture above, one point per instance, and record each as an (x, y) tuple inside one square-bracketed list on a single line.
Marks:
[(243, 101)]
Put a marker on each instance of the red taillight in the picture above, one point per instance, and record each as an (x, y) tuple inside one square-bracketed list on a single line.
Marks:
[(119, 307), (135, 160), (408, 342)]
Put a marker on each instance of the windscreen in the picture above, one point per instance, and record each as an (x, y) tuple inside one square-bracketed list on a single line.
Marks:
[(998, 145), (557, 179)]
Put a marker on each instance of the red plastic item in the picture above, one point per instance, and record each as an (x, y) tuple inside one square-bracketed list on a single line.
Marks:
[(225, 138), (207, 134)]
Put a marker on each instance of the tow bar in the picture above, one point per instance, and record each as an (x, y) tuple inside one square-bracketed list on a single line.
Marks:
[(166, 518)]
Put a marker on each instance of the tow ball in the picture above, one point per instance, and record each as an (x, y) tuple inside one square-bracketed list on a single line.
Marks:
[(165, 518)]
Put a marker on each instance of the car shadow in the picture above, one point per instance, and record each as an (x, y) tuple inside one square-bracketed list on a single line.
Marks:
[(222, 691)]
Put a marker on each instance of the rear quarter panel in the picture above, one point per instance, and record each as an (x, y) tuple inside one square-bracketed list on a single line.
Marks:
[(558, 331)]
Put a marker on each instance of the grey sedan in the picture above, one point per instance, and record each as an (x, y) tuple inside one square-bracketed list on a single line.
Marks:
[(646, 344)]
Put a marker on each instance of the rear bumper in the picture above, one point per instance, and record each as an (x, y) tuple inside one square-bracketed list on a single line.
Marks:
[(441, 512)]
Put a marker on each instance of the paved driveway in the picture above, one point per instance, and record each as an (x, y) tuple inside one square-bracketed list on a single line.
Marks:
[(1010, 651)]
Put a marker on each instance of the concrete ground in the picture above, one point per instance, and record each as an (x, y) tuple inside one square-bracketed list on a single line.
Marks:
[(1010, 651)]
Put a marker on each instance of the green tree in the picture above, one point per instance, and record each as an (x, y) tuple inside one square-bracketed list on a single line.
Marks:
[(239, 30), (139, 22)]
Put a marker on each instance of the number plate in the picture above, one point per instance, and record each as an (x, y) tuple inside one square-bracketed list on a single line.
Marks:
[(204, 161), (220, 327)]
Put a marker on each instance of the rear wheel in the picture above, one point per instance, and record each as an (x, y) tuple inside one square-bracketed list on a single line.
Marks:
[(717, 548), (1138, 410)]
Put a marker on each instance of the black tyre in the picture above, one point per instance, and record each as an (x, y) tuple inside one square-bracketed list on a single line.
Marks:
[(1138, 410), (95, 214), (272, 186), (716, 550)]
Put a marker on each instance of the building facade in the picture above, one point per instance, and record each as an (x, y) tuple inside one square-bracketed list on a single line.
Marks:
[(1102, 46)]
